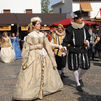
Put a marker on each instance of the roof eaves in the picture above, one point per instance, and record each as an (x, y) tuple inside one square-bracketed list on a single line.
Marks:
[(58, 3)]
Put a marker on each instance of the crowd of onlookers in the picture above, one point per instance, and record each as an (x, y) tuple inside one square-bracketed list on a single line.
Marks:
[(94, 49)]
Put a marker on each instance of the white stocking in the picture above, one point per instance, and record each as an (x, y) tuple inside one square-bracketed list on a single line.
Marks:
[(76, 75)]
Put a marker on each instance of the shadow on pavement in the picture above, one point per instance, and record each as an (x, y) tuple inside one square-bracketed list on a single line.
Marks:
[(84, 96), (69, 82), (97, 64), (24, 100)]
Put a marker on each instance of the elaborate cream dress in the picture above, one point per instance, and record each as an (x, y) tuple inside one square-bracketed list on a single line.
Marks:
[(7, 53), (38, 75)]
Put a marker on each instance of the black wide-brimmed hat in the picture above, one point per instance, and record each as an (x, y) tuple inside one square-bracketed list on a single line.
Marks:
[(77, 14)]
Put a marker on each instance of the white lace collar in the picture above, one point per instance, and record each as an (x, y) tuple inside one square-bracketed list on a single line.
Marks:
[(77, 25)]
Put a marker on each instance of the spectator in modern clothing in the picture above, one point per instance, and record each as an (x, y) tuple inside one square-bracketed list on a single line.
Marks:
[(97, 42), (91, 49)]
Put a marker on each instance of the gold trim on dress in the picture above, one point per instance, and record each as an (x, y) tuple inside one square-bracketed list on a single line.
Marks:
[(43, 62)]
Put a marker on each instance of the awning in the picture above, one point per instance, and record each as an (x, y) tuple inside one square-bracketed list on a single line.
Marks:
[(67, 22), (24, 28), (86, 7), (7, 19), (64, 22), (23, 19), (45, 28), (5, 28)]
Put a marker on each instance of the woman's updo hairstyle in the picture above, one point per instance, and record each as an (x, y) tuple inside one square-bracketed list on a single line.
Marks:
[(33, 22), (35, 19)]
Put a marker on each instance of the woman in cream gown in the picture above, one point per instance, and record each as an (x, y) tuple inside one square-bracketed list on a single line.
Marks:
[(38, 75), (7, 53)]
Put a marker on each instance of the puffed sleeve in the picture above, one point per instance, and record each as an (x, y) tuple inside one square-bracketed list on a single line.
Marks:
[(26, 47), (67, 38), (25, 51), (50, 52)]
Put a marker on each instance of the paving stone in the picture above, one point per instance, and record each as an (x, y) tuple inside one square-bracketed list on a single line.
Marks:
[(92, 81)]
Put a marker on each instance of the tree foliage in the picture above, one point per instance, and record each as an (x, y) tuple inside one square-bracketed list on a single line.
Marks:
[(45, 6)]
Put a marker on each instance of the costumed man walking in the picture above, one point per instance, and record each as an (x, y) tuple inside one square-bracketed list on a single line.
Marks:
[(76, 41), (57, 38)]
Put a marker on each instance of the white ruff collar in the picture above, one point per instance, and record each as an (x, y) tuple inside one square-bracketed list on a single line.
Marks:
[(77, 25)]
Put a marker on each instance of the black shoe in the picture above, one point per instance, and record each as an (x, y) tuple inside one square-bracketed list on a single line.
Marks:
[(64, 76), (81, 83), (61, 77), (79, 88)]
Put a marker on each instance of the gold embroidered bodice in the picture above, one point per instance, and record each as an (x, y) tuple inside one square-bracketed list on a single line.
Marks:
[(36, 45), (5, 42), (35, 38)]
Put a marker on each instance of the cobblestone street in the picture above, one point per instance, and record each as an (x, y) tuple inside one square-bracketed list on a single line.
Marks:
[(92, 81)]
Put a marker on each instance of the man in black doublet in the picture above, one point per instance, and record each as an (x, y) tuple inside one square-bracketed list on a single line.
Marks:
[(76, 41)]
